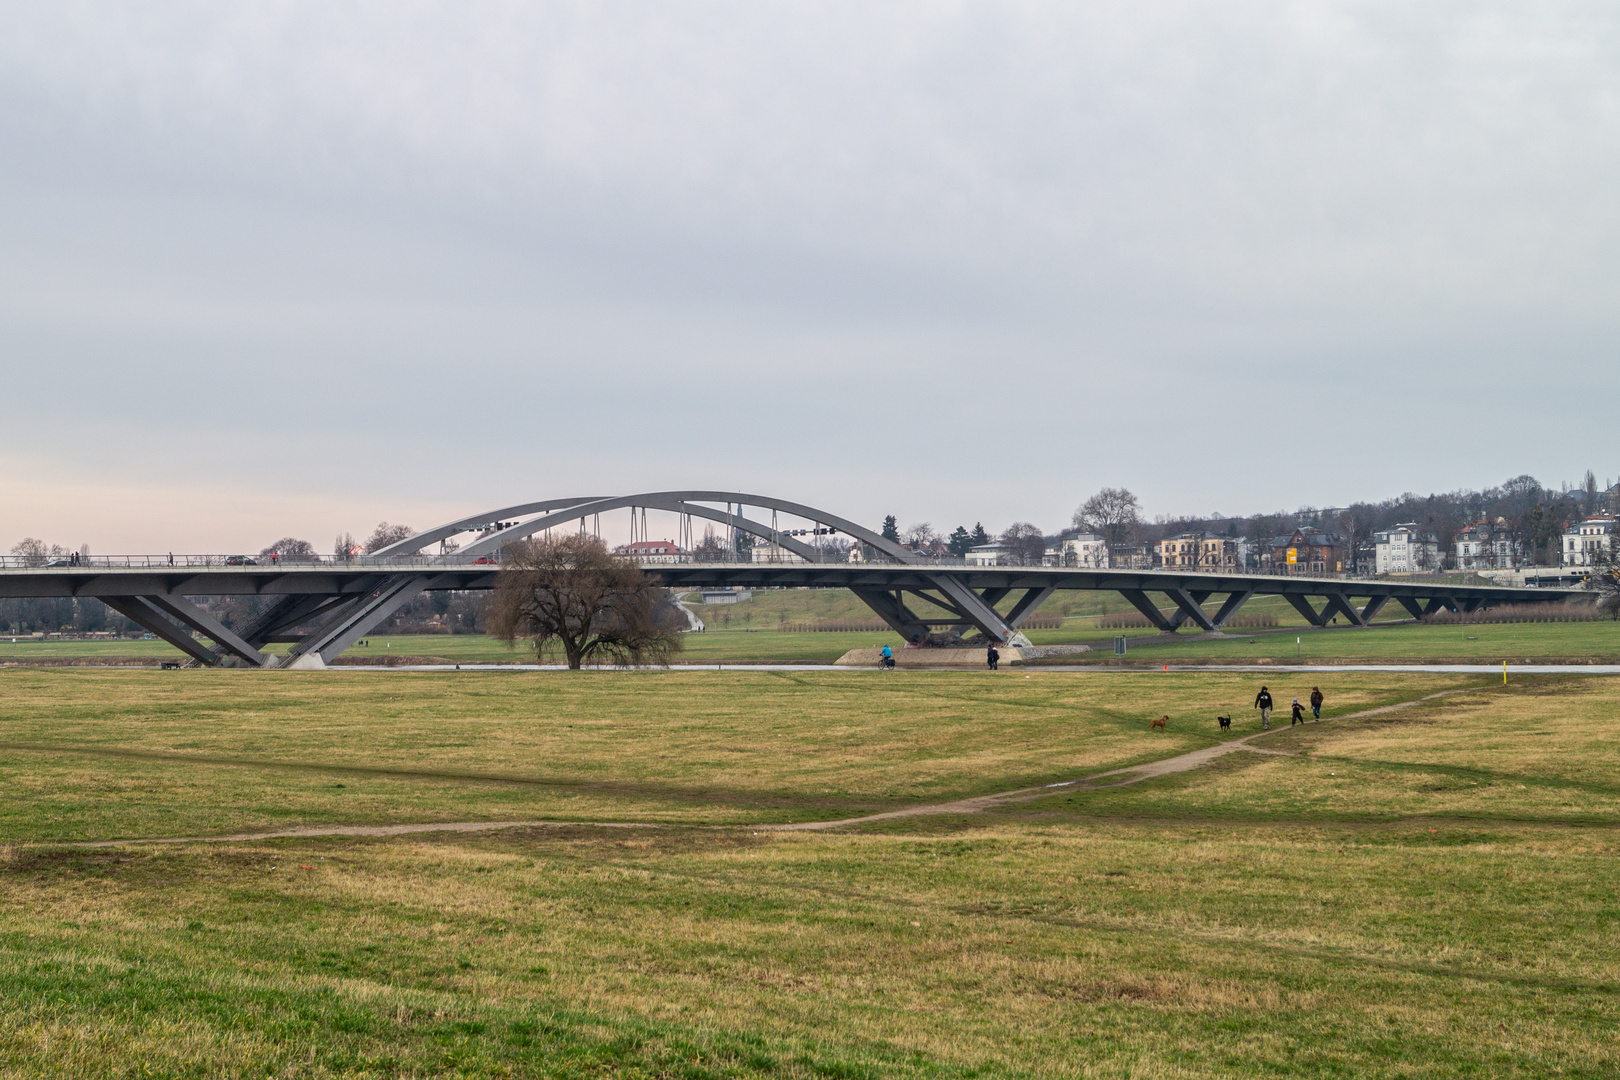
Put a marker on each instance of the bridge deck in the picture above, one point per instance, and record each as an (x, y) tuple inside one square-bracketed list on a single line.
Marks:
[(324, 606), (338, 578)]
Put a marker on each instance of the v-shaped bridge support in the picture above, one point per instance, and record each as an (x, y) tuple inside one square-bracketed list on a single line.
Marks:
[(967, 610)]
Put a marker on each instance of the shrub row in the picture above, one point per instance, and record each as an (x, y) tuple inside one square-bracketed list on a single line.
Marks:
[(1135, 620), (863, 626), (1520, 613)]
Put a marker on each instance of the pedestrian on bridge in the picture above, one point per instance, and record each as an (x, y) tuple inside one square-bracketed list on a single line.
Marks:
[(1262, 701)]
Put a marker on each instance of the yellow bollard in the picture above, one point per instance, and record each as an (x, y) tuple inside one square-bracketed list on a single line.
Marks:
[(1504, 673)]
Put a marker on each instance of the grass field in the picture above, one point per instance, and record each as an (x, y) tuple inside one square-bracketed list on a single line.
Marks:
[(767, 609), (1579, 642), (1423, 893)]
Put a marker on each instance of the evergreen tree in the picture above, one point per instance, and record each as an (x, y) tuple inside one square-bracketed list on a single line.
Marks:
[(960, 542), (891, 529), (979, 535)]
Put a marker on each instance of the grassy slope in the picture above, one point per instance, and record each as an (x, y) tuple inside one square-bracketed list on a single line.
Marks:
[(1428, 893), (769, 608), (137, 753), (1588, 641), (1489, 642)]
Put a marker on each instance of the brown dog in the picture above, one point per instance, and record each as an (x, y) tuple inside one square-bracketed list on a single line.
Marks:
[(1159, 723)]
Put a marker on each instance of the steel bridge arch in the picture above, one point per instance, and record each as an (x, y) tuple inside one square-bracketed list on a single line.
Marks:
[(556, 512), (971, 610), (322, 610)]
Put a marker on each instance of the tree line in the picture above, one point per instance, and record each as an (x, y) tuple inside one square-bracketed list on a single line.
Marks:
[(1523, 509)]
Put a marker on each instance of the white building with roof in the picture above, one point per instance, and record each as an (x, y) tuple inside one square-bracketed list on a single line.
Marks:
[(1483, 546), (764, 551), (652, 551), (995, 555), (1084, 551), (1403, 550), (1584, 542)]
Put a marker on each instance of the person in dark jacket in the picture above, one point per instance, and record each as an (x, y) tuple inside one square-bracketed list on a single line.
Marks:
[(992, 657), (1316, 703), (1262, 701), (1298, 716)]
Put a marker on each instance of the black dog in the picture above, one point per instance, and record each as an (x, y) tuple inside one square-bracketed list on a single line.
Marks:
[(1226, 722)]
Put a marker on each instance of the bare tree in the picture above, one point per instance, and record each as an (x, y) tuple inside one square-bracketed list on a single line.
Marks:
[(919, 536), (1112, 513), (33, 550), (291, 549), (834, 549), (1605, 580), (345, 547), (711, 548), (571, 591), (1027, 541), (385, 534), (1355, 525)]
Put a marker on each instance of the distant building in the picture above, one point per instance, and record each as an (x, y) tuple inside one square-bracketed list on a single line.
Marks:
[(766, 552), (1484, 546), (1197, 551), (1085, 551), (1131, 557), (1403, 550), (652, 551), (726, 596), (1308, 551), (1583, 542), (1247, 554), (995, 555)]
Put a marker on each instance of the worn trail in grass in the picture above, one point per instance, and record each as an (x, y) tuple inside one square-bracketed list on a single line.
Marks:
[(105, 754), (1112, 778), (1570, 642), (1420, 891)]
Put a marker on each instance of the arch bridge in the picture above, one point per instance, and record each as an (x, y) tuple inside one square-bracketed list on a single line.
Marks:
[(323, 607)]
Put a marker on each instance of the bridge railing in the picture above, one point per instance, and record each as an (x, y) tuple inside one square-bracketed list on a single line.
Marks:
[(182, 562), (166, 561)]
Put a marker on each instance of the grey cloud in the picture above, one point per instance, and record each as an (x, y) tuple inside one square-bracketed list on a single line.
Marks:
[(839, 249)]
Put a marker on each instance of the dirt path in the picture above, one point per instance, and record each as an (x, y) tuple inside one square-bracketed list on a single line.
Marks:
[(369, 830), (1130, 774)]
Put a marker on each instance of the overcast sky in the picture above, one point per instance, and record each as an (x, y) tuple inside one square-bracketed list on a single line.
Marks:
[(295, 268)]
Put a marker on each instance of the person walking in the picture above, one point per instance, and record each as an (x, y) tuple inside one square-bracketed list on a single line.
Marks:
[(1298, 715), (1262, 701), (1316, 703), (992, 657)]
